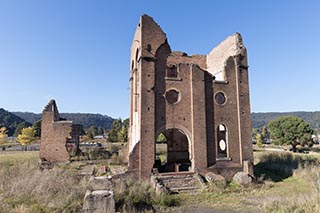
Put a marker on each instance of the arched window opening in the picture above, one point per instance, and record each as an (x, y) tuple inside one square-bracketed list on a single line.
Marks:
[(222, 140)]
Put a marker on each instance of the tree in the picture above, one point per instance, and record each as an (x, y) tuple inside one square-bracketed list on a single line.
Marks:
[(259, 140), (113, 133), (3, 135), (264, 134), (27, 136), (123, 134), (18, 129), (290, 130), (37, 127), (255, 131)]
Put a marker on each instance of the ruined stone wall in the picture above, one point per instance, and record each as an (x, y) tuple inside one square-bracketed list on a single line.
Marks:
[(55, 134), (227, 113), (171, 90), (216, 59), (177, 57), (148, 39)]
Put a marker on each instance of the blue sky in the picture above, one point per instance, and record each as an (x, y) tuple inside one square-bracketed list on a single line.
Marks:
[(77, 51)]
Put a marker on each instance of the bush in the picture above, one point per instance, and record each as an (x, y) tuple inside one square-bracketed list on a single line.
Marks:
[(138, 196)]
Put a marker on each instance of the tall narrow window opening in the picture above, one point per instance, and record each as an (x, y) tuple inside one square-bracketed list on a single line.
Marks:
[(222, 139)]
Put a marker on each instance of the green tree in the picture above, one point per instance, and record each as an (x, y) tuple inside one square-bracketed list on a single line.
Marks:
[(27, 136), (19, 127), (100, 131), (264, 134), (123, 134), (37, 127), (255, 131), (126, 123), (3, 135), (290, 130), (259, 140), (113, 133)]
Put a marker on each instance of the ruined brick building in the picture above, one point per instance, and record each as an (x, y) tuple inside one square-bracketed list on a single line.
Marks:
[(199, 102), (59, 137)]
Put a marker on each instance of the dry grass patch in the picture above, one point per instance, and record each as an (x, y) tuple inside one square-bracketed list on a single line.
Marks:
[(24, 188), (13, 156)]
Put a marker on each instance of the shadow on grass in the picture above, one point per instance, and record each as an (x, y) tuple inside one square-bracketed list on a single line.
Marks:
[(279, 166)]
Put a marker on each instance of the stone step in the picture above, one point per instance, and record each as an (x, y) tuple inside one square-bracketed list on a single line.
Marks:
[(180, 183), (175, 177), (189, 189)]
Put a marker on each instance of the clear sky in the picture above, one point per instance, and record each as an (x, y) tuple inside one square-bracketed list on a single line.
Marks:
[(77, 51)]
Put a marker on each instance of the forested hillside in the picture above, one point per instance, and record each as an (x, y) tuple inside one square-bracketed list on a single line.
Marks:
[(11, 121), (85, 119), (261, 119)]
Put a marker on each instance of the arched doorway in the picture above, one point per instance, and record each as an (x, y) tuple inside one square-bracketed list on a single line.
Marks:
[(172, 151)]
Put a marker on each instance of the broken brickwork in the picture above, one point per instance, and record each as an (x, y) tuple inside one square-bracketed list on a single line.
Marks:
[(59, 137), (199, 102)]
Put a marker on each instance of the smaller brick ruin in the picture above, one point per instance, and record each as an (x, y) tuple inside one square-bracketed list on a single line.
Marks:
[(59, 137)]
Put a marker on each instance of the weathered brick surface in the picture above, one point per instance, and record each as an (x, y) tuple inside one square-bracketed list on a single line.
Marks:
[(155, 70), (55, 133)]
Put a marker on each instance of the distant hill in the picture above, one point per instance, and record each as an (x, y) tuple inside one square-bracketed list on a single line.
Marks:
[(105, 122), (263, 118), (10, 121), (85, 119), (28, 116)]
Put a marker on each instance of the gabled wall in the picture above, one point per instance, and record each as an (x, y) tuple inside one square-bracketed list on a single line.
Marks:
[(55, 133)]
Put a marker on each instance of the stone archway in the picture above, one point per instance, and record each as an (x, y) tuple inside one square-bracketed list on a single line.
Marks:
[(174, 155)]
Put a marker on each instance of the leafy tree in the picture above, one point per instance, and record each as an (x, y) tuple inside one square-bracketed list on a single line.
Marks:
[(100, 131), (3, 135), (126, 123), (119, 131), (19, 128), (259, 140), (290, 130), (123, 134), (255, 131), (113, 133), (264, 134), (37, 127), (94, 131), (27, 136)]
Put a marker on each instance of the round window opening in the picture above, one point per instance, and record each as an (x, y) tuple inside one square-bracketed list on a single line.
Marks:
[(220, 98), (172, 96)]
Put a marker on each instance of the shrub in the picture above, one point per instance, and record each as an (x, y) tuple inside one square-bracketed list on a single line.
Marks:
[(137, 196)]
